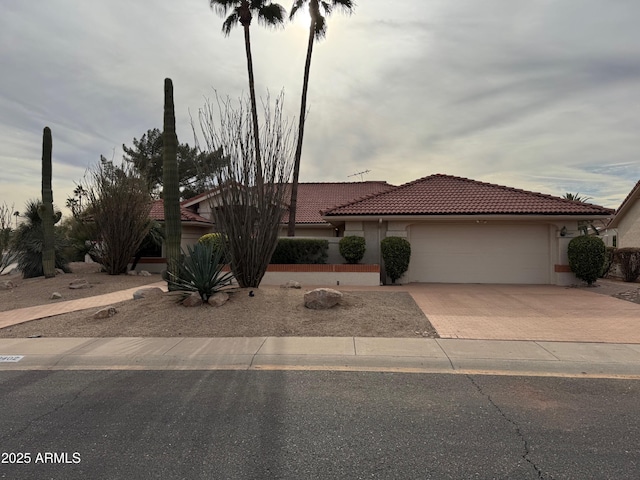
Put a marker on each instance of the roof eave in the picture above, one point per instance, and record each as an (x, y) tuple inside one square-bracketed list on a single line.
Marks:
[(463, 218)]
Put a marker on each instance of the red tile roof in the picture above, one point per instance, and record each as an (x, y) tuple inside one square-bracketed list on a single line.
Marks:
[(313, 197), (449, 195), (157, 213)]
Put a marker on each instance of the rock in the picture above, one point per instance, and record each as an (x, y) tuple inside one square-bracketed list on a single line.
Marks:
[(7, 285), (79, 283), (132, 273), (106, 312), (218, 299), (56, 296), (144, 273), (59, 271), (147, 292), (193, 300), (322, 298), (291, 284)]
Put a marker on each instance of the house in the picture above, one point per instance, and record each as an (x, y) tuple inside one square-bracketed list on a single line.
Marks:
[(465, 231), (193, 227), (312, 198), (624, 229), (460, 230)]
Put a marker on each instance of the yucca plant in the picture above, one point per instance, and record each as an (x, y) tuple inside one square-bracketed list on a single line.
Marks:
[(201, 271)]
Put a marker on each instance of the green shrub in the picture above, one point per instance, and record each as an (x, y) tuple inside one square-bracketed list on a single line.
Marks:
[(201, 271), (300, 250), (28, 241), (586, 257), (629, 261), (217, 242), (396, 253), (609, 260), (352, 248)]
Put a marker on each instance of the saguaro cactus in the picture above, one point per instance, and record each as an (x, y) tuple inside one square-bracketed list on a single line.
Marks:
[(171, 190), (46, 209)]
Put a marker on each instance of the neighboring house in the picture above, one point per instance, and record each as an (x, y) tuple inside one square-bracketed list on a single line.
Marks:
[(312, 198), (624, 229), (465, 231)]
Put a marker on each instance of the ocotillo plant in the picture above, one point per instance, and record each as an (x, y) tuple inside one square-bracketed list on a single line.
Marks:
[(46, 209), (171, 190)]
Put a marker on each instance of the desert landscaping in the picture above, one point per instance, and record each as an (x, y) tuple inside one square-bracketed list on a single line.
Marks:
[(268, 311)]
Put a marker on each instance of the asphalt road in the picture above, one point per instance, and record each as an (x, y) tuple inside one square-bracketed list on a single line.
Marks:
[(315, 425)]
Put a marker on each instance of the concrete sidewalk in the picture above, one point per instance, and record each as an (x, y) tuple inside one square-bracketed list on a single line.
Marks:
[(417, 355)]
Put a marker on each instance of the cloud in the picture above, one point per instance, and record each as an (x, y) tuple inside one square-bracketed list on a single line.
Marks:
[(535, 95)]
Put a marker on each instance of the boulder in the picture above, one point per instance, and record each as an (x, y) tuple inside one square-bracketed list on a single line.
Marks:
[(291, 284), (59, 271), (79, 283), (147, 292), (322, 298), (193, 300), (106, 312), (7, 285), (218, 299), (56, 296)]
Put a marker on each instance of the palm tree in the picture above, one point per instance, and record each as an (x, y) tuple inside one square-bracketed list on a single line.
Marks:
[(576, 197), (242, 11), (318, 9)]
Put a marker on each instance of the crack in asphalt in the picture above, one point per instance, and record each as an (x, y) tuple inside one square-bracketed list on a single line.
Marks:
[(526, 455), (14, 434)]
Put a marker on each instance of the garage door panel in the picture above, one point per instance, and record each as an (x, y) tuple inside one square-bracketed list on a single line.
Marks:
[(479, 253)]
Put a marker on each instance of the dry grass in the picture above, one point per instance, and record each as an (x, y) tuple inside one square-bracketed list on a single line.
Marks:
[(271, 311)]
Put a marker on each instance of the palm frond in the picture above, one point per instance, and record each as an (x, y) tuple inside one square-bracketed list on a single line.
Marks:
[(271, 15), (230, 22), (297, 5)]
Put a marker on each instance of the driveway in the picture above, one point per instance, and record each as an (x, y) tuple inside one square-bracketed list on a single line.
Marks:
[(527, 312)]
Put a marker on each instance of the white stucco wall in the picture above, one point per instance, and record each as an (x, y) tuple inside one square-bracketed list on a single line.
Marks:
[(629, 228)]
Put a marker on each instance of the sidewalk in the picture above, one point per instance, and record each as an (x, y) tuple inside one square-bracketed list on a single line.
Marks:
[(413, 355)]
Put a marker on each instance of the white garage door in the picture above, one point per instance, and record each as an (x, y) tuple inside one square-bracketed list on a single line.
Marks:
[(479, 253)]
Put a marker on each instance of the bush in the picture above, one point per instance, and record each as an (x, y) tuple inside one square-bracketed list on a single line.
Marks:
[(629, 261), (300, 250), (218, 244), (352, 248), (586, 257), (28, 243), (201, 271), (396, 253)]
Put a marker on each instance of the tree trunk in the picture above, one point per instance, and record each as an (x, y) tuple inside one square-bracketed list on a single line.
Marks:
[(46, 209), (254, 108), (171, 190), (293, 205)]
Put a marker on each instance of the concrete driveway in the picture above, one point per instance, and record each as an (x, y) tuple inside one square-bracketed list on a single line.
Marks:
[(527, 312)]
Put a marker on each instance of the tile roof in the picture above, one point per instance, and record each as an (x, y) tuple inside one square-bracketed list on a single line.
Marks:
[(314, 197), (186, 215), (448, 195)]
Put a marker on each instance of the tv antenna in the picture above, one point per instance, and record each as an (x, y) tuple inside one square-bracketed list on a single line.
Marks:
[(359, 173)]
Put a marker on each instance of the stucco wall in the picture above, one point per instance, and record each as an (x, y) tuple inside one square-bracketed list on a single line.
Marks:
[(629, 228)]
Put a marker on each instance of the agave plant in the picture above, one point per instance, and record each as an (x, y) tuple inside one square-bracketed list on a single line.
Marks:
[(201, 271)]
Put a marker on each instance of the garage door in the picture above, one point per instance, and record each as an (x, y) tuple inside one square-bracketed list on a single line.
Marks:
[(479, 253)]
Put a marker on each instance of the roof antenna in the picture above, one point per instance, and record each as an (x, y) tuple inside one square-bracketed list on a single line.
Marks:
[(359, 173)]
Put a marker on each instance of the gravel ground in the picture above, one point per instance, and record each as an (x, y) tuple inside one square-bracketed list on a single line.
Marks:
[(271, 311)]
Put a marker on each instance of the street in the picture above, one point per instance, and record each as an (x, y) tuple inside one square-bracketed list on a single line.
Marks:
[(315, 425)]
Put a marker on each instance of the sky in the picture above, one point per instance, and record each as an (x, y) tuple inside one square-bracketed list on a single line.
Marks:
[(540, 95)]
